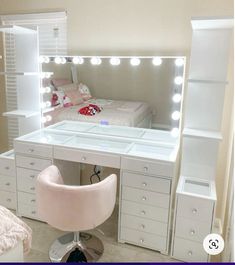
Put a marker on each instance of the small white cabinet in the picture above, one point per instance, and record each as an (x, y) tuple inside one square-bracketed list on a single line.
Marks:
[(194, 215), (8, 180)]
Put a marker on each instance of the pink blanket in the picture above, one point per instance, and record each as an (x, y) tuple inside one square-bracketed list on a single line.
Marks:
[(13, 230)]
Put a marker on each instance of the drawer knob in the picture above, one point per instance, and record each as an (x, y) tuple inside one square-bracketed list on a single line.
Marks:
[(194, 211), (32, 188), (83, 158), (33, 212), (144, 198), (142, 226), (192, 232), (142, 240), (190, 253), (7, 168), (143, 212), (145, 169), (144, 184), (8, 184), (32, 176), (32, 163), (31, 150), (8, 200), (33, 200)]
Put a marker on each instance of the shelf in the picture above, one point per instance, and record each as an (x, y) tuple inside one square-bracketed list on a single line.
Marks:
[(207, 81), (212, 23), (16, 29), (202, 134), (19, 73), (21, 113), (48, 110)]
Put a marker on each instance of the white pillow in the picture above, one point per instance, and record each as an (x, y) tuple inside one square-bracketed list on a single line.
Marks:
[(84, 91), (68, 87)]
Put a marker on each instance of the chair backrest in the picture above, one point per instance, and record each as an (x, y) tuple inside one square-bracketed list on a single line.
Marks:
[(74, 208)]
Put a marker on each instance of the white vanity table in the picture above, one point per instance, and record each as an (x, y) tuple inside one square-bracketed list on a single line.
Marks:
[(147, 163)]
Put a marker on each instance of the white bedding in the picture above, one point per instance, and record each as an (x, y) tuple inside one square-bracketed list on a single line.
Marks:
[(114, 112)]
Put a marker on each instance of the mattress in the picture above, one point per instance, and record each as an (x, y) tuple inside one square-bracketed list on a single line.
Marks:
[(114, 112)]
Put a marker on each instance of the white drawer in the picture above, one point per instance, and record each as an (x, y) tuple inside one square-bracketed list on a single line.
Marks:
[(33, 149), (190, 251), (26, 179), (27, 210), (147, 167), (94, 158), (8, 183), (192, 230), (32, 162), (7, 166), (26, 198), (145, 197), (144, 225), (143, 239), (195, 208), (139, 181), (145, 211), (8, 199)]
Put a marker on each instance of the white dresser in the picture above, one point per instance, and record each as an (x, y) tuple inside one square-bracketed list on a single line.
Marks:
[(147, 160), (145, 202), (194, 217)]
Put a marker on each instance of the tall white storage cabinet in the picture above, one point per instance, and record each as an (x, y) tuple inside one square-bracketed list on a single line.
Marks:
[(22, 79), (22, 70), (196, 195)]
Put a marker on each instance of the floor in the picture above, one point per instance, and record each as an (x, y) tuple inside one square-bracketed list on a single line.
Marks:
[(44, 235)]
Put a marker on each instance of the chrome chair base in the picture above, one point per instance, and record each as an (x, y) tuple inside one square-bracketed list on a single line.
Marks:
[(91, 246)]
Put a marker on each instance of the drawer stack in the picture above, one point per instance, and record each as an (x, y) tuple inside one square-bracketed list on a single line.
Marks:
[(31, 159), (144, 205), (193, 222), (8, 180)]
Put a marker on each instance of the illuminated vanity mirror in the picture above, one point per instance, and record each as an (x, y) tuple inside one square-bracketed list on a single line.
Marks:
[(141, 92)]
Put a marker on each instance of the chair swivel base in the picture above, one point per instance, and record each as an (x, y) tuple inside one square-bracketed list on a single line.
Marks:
[(90, 247)]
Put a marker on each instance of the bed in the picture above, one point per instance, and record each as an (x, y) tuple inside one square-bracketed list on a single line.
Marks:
[(72, 98)]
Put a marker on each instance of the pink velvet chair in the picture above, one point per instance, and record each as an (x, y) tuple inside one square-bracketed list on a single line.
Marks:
[(74, 209)]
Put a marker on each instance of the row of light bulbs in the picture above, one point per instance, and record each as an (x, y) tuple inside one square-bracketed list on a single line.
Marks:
[(134, 61)]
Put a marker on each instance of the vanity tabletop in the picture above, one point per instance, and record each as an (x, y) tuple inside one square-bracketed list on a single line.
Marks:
[(130, 141)]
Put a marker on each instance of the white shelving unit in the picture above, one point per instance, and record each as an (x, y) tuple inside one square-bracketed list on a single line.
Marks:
[(195, 201), (22, 77)]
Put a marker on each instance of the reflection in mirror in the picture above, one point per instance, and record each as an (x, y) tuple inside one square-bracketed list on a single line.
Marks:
[(131, 91)]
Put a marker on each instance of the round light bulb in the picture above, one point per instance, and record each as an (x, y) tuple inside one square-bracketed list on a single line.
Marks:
[(63, 60), (135, 61), (47, 75), (178, 80), (115, 61), (96, 61), (42, 90), (48, 104), (176, 98), (43, 119), (47, 89), (46, 59), (48, 118), (58, 60), (43, 105), (41, 59), (175, 132), (175, 115), (179, 62), (78, 60), (157, 61)]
